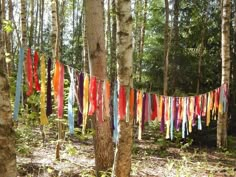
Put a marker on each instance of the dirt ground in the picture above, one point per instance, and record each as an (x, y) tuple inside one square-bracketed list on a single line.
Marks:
[(152, 157)]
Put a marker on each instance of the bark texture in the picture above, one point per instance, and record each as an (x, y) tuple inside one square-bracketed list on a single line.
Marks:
[(54, 26), (41, 24), (122, 163), (31, 23), (7, 135), (113, 41), (175, 46), (225, 54), (201, 52), (166, 49), (85, 41), (142, 37), (97, 65), (23, 26)]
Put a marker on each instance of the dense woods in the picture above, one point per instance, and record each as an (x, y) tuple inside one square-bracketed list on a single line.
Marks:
[(117, 88)]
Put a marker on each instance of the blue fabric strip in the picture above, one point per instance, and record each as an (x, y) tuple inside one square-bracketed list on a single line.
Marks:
[(71, 100), (18, 84), (199, 123), (115, 114)]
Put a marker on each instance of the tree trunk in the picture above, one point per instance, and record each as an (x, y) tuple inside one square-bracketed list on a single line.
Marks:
[(54, 27), (4, 35), (122, 163), (56, 56), (175, 47), (108, 31), (9, 40), (142, 37), (41, 25), (36, 23), (62, 24), (166, 50), (113, 42), (31, 23), (137, 34), (79, 33), (23, 26), (7, 134), (201, 50), (73, 29), (97, 62), (85, 48), (225, 54)]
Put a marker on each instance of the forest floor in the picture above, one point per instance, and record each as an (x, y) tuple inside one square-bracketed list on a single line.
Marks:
[(152, 157)]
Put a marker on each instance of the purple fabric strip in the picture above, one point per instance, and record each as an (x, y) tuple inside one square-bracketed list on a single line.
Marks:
[(49, 88), (80, 97), (176, 104)]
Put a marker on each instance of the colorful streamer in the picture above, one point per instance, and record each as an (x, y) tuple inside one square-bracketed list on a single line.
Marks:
[(71, 100), (43, 116), (18, 84)]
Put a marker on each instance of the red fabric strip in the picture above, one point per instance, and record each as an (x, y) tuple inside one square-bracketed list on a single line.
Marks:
[(92, 95), (154, 107), (36, 77)]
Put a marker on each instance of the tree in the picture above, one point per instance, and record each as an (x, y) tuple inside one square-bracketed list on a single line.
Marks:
[(175, 44), (166, 49), (7, 134), (137, 35), (97, 61), (113, 42), (122, 163), (85, 41), (56, 56), (23, 26), (225, 78), (41, 24), (31, 38), (142, 37), (54, 27)]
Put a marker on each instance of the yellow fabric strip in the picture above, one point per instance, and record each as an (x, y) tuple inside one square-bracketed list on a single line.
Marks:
[(209, 102), (43, 116), (168, 118), (191, 113), (85, 102), (139, 114), (160, 108)]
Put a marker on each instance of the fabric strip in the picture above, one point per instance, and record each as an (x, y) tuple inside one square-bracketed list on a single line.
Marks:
[(43, 116), (49, 89), (36, 78), (18, 84), (60, 96), (29, 73), (85, 102), (71, 100)]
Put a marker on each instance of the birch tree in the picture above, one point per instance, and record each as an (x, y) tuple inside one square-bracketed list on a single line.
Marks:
[(225, 78), (122, 163)]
